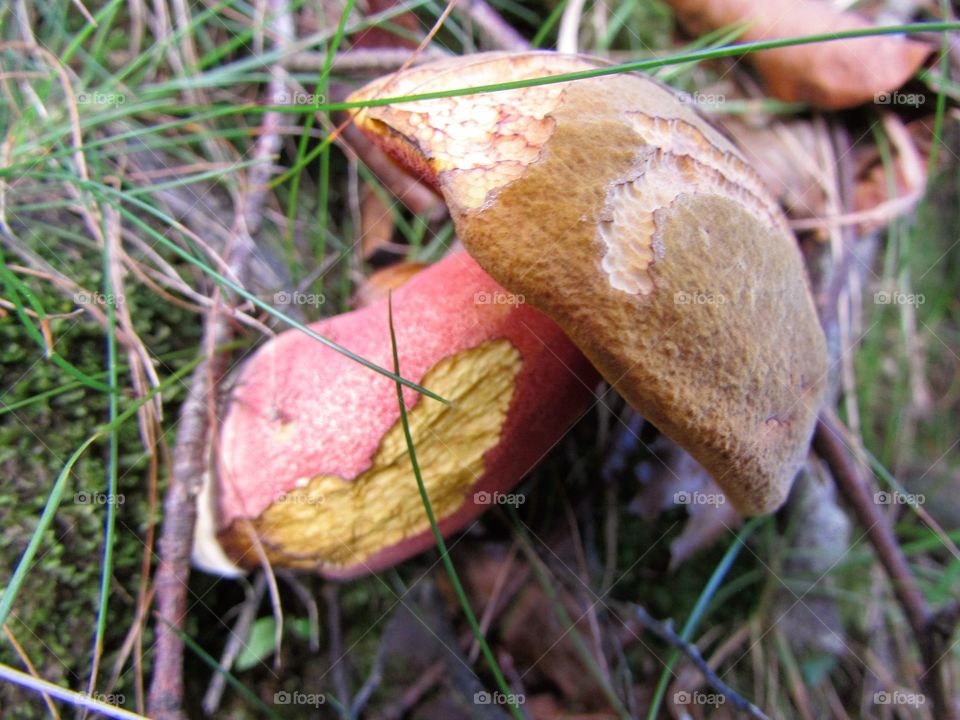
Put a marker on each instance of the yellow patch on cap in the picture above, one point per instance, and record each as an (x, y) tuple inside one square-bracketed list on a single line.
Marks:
[(335, 522)]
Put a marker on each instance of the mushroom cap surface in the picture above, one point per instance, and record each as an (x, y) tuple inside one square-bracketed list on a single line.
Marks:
[(312, 459), (619, 211)]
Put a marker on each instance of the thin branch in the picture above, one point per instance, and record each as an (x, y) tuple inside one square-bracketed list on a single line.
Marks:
[(361, 61), (340, 682), (235, 644), (665, 631), (832, 444), (190, 464), (499, 34)]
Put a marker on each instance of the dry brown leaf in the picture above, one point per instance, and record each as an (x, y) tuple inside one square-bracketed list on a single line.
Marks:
[(529, 630), (384, 37), (546, 707), (534, 635), (678, 479), (784, 154), (377, 286), (830, 75), (376, 224)]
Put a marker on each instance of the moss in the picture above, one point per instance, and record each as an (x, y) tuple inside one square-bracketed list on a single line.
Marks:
[(54, 617)]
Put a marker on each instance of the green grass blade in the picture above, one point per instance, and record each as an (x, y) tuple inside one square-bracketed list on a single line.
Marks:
[(696, 615), (113, 440), (441, 545)]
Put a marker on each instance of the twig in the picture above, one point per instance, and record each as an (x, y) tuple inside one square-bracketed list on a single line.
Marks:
[(499, 34), (412, 695), (196, 434), (930, 631), (568, 35), (235, 643), (361, 60), (370, 685), (25, 659), (340, 683), (307, 600), (665, 631), (267, 147), (190, 463)]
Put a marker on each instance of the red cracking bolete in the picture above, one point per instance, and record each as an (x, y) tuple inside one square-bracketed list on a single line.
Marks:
[(312, 457), (617, 210)]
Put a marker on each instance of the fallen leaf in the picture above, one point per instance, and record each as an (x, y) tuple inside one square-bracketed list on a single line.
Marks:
[(376, 224), (377, 286), (675, 478), (384, 36), (546, 707), (784, 154), (829, 75)]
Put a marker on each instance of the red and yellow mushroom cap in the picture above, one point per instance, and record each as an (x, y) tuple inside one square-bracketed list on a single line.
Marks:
[(312, 457)]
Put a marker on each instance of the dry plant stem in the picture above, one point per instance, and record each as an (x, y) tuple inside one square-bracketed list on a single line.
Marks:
[(489, 612), (415, 692), (666, 632), (568, 34), (196, 434), (235, 643), (337, 655), (275, 603), (25, 659), (191, 460), (305, 596), (361, 60), (498, 33), (370, 685), (930, 632), (267, 147)]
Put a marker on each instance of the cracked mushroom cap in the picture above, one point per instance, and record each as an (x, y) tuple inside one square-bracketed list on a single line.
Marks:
[(617, 210), (312, 457)]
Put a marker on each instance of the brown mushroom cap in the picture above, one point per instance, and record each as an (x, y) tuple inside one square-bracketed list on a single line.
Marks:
[(621, 213), (312, 458)]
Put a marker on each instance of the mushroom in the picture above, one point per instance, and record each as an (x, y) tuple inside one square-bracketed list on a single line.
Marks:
[(616, 209), (312, 459)]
